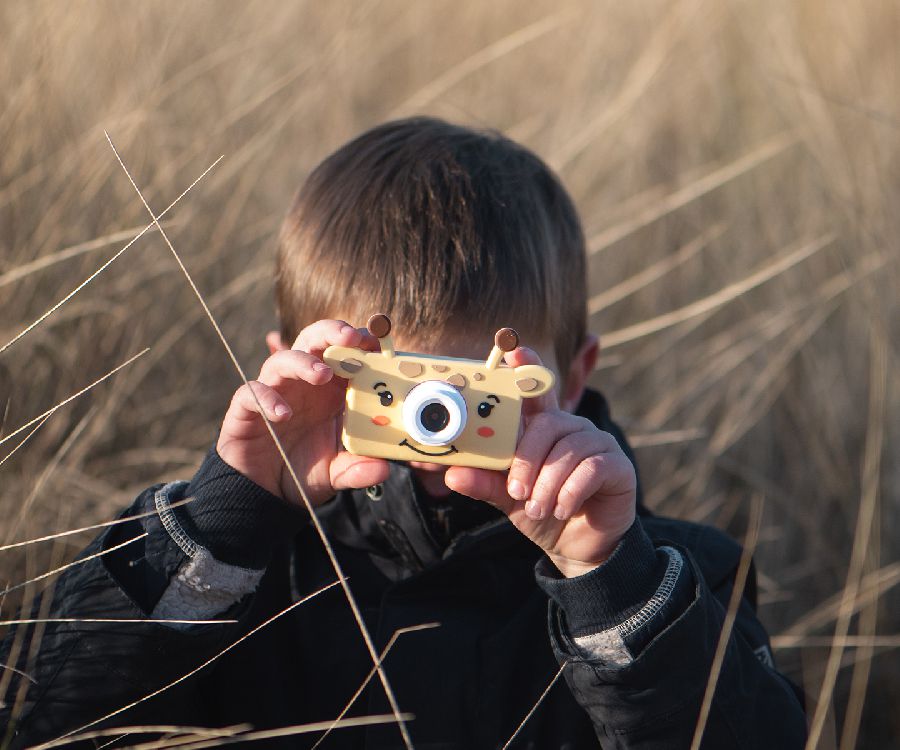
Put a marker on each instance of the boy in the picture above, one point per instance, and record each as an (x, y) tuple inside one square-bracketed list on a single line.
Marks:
[(454, 234)]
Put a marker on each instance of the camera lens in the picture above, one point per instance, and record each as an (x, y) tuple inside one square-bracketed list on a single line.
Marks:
[(434, 413), (434, 417)]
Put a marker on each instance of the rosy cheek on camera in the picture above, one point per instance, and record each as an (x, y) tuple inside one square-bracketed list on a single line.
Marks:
[(485, 432), (381, 421)]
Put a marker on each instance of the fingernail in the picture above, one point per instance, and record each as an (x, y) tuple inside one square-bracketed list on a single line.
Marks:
[(347, 330), (533, 510), (321, 367), (281, 410), (516, 490), (559, 513)]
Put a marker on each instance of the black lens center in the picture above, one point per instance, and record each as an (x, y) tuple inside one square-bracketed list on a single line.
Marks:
[(434, 417)]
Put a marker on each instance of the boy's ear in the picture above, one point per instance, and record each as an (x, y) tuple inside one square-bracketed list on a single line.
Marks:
[(533, 380), (346, 361), (274, 342), (580, 369)]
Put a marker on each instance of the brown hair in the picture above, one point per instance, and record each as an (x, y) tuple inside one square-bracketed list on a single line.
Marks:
[(441, 227)]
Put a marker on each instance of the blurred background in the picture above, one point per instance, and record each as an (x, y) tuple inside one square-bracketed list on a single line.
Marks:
[(737, 167)]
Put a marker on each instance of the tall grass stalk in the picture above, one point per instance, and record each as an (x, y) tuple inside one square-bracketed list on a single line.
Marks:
[(735, 166)]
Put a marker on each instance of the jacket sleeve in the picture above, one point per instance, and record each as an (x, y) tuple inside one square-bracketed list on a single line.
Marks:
[(639, 634), (114, 636)]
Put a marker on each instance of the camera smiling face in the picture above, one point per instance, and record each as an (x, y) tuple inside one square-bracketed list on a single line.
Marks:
[(443, 410)]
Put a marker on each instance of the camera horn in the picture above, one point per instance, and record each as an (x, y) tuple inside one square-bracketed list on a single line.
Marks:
[(505, 340), (379, 326)]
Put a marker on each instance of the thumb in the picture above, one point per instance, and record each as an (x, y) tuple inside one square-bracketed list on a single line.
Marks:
[(481, 484), (349, 472)]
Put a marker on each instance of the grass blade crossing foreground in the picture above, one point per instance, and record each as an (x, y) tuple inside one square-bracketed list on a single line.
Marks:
[(63, 740), (354, 607), (268, 734), (74, 563), (106, 265), (50, 411), (45, 261), (537, 703), (865, 515), (385, 651), (740, 580), (92, 527)]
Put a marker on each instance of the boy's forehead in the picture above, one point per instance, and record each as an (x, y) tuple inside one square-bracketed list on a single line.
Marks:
[(472, 345), (473, 342), (468, 345)]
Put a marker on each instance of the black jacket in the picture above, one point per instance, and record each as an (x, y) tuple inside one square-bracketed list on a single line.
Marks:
[(469, 682)]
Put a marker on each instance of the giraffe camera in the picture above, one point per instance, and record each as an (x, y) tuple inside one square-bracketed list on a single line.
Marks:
[(405, 406)]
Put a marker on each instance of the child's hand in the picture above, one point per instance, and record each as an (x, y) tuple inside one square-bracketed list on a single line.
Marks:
[(570, 488), (304, 402)]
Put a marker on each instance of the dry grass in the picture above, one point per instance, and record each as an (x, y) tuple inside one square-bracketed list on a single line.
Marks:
[(736, 166)]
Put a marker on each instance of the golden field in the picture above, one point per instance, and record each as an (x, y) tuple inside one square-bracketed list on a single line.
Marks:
[(737, 167)]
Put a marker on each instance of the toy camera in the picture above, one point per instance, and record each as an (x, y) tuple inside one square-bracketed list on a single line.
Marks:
[(443, 410)]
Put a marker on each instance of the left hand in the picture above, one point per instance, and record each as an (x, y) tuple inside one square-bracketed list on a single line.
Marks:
[(570, 488)]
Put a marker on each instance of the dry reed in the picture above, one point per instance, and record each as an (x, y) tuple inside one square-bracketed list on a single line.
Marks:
[(735, 164)]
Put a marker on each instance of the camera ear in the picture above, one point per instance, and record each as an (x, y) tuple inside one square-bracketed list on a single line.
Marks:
[(533, 380), (346, 361)]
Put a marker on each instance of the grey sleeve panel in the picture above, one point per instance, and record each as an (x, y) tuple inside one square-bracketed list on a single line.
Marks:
[(609, 646), (203, 586)]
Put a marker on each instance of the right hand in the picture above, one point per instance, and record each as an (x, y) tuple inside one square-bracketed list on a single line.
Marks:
[(304, 401)]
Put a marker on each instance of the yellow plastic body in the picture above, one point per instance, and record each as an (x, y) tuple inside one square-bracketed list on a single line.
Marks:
[(374, 429)]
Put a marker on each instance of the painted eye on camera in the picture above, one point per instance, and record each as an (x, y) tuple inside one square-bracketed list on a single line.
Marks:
[(485, 407), (386, 397)]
